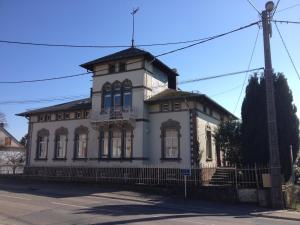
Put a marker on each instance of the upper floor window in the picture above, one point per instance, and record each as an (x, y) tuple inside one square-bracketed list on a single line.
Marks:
[(67, 115), (78, 115), (122, 67), (7, 141), (127, 94), (117, 101), (111, 68), (81, 138), (42, 144), (208, 143), (61, 138), (170, 139), (106, 90)]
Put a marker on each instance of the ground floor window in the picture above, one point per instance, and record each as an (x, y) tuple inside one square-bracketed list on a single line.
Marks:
[(116, 143), (170, 139), (81, 138), (42, 144), (171, 143), (61, 146)]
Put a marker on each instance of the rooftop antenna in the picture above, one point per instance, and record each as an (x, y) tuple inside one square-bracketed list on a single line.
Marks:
[(134, 11)]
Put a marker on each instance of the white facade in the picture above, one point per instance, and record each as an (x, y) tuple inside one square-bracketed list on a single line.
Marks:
[(125, 123)]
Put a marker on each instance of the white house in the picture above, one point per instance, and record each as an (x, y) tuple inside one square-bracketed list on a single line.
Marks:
[(136, 116)]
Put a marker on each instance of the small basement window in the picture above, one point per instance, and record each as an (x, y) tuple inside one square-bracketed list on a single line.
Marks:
[(122, 67), (67, 115), (59, 116), (176, 106), (78, 115), (111, 68), (86, 114), (165, 107)]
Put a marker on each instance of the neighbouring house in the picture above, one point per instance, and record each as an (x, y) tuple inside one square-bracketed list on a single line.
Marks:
[(10, 148), (136, 116)]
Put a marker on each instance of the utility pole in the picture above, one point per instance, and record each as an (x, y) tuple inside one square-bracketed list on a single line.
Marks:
[(275, 169)]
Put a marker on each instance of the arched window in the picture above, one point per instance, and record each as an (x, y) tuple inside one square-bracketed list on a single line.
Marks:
[(117, 101), (170, 139), (42, 144), (106, 97), (61, 139), (127, 95), (80, 142)]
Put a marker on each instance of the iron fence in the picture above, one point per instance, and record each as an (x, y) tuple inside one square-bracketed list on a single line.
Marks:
[(236, 177)]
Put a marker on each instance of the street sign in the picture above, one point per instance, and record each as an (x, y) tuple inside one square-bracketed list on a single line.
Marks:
[(185, 172)]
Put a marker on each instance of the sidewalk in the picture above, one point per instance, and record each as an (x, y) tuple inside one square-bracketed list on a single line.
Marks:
[(280, 214)]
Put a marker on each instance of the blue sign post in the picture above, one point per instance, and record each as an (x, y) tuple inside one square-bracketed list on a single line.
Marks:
[(185, 173)]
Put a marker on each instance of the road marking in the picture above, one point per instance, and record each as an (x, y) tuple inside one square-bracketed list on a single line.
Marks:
[(65, 204), (16, 197)]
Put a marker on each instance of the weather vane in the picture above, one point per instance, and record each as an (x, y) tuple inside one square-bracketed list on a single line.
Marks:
[(134, 11)]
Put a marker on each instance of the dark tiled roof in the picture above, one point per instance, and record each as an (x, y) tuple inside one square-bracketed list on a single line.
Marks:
[(126, 54), (68, 106), (171, 94)]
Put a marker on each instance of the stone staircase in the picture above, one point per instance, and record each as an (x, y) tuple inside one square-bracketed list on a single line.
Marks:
[(223, 176)]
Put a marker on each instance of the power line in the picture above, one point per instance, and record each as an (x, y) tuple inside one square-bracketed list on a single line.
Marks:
[(285, 46), (97, 46), (253, 6), (246, 75), (53, 99), (44, 100), (219, 76), (209, 39), (276, 6), (286, 21), (102, 46), (162, 54), (290, 7), (226, 91), (46, 79)]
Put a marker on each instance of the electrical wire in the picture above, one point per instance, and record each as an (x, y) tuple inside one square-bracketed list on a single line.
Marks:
[(162, 54), (253, 6), (290, 7), (226, 91), (53, 99), (276, 6), (98, 46), (80, 96), (246, 75), (286, 21), (219, 76), (290, 56), (209, 39)]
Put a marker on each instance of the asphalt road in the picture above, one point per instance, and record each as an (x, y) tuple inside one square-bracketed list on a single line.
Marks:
[(25, 202)]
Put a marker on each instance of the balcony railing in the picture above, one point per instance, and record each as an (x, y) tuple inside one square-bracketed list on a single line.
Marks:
[(112, 114)]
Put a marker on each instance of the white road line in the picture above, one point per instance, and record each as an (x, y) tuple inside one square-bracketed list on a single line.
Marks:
[(16, 197), (65, 204)]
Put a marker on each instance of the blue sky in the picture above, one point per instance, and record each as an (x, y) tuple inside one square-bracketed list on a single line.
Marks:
[(94, 22)]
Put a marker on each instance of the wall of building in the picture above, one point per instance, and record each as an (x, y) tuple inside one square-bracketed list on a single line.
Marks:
[(154, 133), (204, 121), (93, 146)]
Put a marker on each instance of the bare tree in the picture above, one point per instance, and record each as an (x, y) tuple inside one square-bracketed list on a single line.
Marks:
[(14, 159)]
